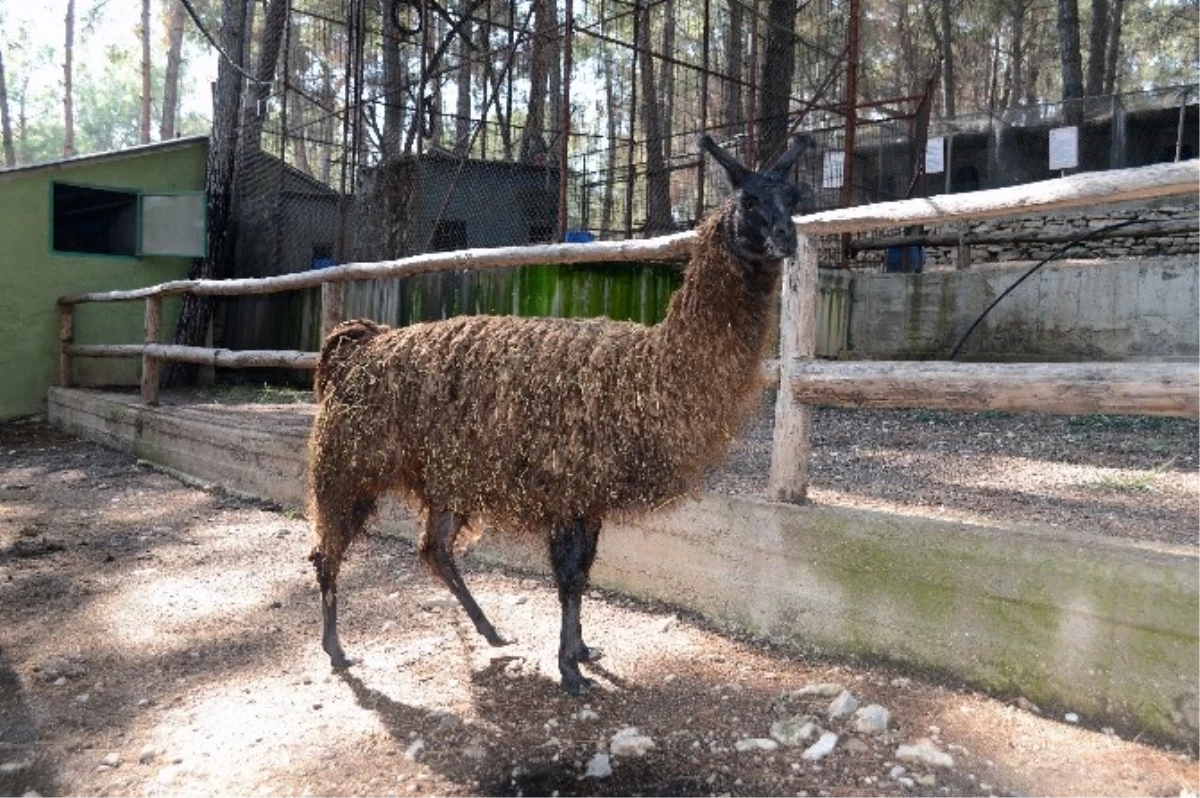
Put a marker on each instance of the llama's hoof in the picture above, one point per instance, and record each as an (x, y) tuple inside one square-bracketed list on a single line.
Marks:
[(340, 662), (497, 640), (577, 685), (590, 654)]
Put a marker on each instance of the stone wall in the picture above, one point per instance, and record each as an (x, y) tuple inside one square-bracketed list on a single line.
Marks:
[(1076, 222)]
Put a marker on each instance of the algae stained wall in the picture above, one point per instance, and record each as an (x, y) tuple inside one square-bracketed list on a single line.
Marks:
[(33, 275)]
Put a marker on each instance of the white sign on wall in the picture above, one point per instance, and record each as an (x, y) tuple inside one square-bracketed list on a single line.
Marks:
[(1064, 147), (935, 155), (833, 169)]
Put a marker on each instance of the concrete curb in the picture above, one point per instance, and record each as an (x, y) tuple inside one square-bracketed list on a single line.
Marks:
[(1105, 628)]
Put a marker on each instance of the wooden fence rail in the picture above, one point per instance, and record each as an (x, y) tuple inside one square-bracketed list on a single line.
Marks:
[(1157, 389)]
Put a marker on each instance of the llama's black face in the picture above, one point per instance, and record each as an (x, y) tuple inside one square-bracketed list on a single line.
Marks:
[(761, 229)]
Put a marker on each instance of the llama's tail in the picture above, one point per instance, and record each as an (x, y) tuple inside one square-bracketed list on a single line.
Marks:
[(345, 339)]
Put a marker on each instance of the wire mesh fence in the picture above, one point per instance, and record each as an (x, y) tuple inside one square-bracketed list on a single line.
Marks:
[(408, 127)]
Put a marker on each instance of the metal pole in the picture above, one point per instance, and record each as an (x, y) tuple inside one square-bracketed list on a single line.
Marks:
[(563, 169), (851, 119), (703, 108), (637, 19)]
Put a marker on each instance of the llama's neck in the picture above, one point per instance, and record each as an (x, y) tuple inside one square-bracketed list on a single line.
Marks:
[(720, 319)]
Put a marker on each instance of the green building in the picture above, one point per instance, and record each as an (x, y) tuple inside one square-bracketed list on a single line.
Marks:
[(102, 222)]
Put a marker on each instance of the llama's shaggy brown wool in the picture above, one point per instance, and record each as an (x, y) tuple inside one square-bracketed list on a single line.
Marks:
[(528, 424)]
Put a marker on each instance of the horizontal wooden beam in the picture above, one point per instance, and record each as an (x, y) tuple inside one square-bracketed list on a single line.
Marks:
[(1088, 188), (226, 358), (1150, 389), (649, 250), (949, 240)]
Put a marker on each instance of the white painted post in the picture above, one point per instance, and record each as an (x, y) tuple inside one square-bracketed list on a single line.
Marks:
[(797, 339)]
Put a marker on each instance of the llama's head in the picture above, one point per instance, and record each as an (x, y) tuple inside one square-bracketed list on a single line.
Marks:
[(760, 229)]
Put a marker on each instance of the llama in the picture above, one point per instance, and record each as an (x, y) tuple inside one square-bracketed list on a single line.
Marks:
[(548, 426)]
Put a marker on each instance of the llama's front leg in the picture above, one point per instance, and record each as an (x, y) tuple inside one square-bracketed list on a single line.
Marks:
[(437, 549), (335, 530), (572, 550)]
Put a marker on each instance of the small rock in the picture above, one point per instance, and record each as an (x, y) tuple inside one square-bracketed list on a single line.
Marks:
[(1027, 705), (926, 780), (31, 794), (756, 744), (147, 755), (901, 682), (925, 752), (82, 698), (598, 767), (474, 751), (905, 781), (794, 731), (822, 690), (629, 742), (821, 748), (1071, 717), (60, 681), (414, 749), (896, 772), (872, 719), (9, 768), (111, 759), (843, 705), (856, 746), (587, 714)]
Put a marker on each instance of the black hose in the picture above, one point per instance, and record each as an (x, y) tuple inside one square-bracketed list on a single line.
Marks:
[(1057, 253)]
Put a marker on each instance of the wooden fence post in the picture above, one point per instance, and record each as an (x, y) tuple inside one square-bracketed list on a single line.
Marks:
[(66, 337), (333, 304), (150, 365), (797, 339)]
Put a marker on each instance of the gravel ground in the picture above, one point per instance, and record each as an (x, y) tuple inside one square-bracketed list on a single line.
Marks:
[(162, 640), (1132, 477)]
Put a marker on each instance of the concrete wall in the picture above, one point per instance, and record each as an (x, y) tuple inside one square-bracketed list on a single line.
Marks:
[(1098, 626), (33, 276), (1085, 310)]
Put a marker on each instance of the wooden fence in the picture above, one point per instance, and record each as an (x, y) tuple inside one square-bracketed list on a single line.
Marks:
[(1171, 389)]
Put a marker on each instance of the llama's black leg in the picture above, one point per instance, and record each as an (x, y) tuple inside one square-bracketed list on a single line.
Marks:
[(335, 535), (327, 579), (572, 550), (437, 549)]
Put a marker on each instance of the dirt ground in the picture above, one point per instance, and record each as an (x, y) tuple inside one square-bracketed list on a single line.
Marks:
[(159, 639)]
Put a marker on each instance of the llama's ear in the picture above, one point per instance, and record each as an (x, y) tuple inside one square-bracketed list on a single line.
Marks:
[(737, 173), (788, 159)]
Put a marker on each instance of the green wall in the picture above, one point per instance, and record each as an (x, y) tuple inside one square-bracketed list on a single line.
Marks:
[(32, 276)]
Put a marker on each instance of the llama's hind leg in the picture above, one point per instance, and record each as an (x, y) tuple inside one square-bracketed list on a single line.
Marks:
[(572, 551), (334, 535), (437, 550)]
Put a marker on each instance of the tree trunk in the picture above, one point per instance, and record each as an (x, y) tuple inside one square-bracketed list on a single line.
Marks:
[(1114, 47), (391, 137), (666, 94), (611, 110), (658, 179), (949, 85), (1016, 88), (10, 154), (147, 99), (1097, 47), (274, 24), (68, 84), (196, 313), (462, 113), (170, 102), (554, 90), (778, 69), (734, 113), (297, 63), (533, 142), (1072, 63)]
